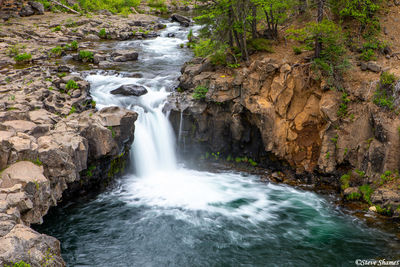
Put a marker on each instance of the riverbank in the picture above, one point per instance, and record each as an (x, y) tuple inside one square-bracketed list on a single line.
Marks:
[(55, 144)]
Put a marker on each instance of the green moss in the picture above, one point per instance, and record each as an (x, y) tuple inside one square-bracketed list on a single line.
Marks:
[(37, 162), (117, 166), (345, 181), (72, 110), (384, 211)]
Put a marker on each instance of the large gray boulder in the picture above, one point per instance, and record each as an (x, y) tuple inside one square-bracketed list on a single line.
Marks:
[(130, 90), (124, 55), (184, 21), (37, 7)]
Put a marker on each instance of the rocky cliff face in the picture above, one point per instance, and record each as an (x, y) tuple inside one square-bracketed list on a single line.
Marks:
[(276, 109), (53, 144)]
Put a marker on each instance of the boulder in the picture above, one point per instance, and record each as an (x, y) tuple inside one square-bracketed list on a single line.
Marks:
[(26, 11), (124, 55), (373, 66), (130, 90), (184, 21), (37, 7)]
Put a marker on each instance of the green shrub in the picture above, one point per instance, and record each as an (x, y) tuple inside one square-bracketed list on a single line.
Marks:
[(72, 110), (71, 84), (383, 211), (156, 3), (383, 95), (343, 106), (57, 51), (56, 29), (259, 44), (103, 33), (297, 50), (19, 264), (23, 57), (114, 6), (74, 45), (86, 55), (200, 92), (366, 191), (387, 79), (345, 181), (332, 61), (15, 49), (354, 196)]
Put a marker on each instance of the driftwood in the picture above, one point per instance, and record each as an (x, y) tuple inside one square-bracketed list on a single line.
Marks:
[(64, 6), (134, 10)]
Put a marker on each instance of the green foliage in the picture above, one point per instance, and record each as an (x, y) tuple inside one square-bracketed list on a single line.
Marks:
[(342, 112), (112, 131), (386, 177), (383, 96), (62, 74), (156, 3), (23, 57), (216, 51), (387, 79), (89, 172), (297, 50), (56, 29), (103, 33), (353, 196), (71, 84), (260, 44), (114, 6), (74, 45), (331, 62), (345, 181), (19, 264), (57, 51), (37, 162), (363, 11), (86, 55), (383, 211), (366, 191), (369, 48), (200, 92), (72, 110)]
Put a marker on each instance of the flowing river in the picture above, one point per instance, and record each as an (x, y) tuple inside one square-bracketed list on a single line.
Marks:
[(163, 214)]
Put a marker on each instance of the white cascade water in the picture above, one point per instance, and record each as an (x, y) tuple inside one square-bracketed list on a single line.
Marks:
[(157, 180)]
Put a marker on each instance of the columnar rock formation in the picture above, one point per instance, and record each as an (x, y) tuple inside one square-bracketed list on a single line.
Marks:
[(292, 117)]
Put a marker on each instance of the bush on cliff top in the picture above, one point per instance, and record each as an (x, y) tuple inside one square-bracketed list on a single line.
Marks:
[(115, 6)]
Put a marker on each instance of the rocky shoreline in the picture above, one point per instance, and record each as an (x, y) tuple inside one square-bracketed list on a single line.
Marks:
[(54, 144)]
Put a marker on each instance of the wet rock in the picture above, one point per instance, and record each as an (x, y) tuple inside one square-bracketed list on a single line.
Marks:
[(130, 90), (170, 35), (124, 55), (184, 21)]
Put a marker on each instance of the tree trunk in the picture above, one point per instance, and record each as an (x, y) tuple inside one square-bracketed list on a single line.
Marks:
[(254, 22), (302, 6)]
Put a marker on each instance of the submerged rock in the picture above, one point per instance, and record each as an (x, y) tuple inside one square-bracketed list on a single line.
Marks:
[(130, 90)]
